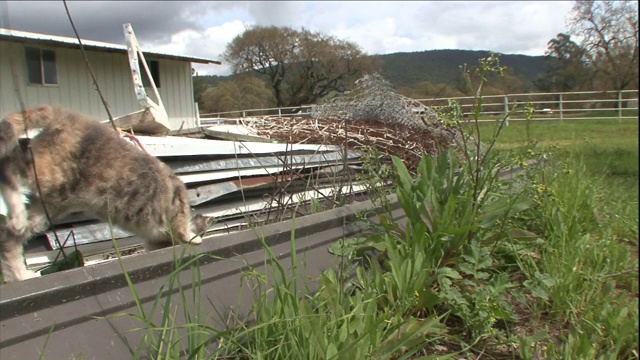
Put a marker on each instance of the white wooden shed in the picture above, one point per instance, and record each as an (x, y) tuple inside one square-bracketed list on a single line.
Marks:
[(51, 70)]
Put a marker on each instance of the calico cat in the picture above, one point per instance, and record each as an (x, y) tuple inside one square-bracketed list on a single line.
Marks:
[(84, 166)]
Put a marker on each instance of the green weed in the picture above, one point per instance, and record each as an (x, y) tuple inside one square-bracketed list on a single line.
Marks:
[(538, 265)]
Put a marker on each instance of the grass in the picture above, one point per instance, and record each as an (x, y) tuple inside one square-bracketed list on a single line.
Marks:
[(592, 226), (538, 271), (543, 265), (540, 266), (607, 148), (602, 139)]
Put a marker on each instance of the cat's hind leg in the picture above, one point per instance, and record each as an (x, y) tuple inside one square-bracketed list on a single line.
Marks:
[(12, 258), (14, 199), (11, 246)]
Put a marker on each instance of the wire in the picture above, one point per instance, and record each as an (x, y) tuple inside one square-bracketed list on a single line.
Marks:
[(23, 109), (86, 60)]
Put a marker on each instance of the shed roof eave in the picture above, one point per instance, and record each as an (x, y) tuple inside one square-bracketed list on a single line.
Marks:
[(67, 42)]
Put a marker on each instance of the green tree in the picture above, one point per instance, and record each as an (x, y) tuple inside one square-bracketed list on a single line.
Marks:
[(609, 33), (503, 80), (199, 87), (507, 83), (300, 66), (241, 92), (427, 90), (201, 83), (567, 67)]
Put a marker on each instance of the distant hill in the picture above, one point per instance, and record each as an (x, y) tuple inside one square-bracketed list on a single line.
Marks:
[(435, 66), (443, 66)]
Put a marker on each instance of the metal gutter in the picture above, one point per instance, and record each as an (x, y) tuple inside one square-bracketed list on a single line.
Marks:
[(73, 312)]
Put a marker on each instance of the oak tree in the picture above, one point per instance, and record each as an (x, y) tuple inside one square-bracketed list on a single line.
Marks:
[(239, 93), (567, 68), (609, 37), (427, 90), (300, 66)]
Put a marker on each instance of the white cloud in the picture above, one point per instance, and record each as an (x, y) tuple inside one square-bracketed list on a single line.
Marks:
[(210, 44), (204, 28), (276, 13), (367, 36)]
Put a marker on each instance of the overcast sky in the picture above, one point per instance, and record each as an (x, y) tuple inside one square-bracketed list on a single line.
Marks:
[(204, 28)]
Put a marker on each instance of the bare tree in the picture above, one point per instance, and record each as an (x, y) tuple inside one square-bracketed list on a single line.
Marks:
[(301, 66), (609, 36)]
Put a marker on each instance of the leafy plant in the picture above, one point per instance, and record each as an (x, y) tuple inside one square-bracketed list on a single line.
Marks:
[(477, 253)]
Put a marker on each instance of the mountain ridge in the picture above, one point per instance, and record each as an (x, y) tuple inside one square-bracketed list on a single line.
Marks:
[(404, 69), (443, 66)]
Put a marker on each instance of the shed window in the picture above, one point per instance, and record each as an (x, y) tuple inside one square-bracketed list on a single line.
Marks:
[(154, 69), (41, 66)]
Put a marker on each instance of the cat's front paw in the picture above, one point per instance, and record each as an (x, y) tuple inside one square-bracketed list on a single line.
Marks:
[(30, 275), (196, 240), (19, 275)]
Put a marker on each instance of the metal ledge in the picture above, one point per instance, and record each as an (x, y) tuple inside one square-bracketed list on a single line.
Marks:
[(72, 300)]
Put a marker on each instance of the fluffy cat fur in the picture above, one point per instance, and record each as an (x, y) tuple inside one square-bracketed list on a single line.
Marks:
[(85, 166)]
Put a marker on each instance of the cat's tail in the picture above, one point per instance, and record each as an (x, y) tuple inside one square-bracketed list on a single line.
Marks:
[(12, 126)]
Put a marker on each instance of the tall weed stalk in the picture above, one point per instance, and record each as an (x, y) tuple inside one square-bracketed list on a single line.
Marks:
[(450, 258), (480, 262)]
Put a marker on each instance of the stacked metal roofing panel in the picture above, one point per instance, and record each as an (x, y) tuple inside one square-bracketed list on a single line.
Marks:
[(237, 182)]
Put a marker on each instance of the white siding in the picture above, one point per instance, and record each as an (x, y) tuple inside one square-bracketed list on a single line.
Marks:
[(8, 99), (75, 89)]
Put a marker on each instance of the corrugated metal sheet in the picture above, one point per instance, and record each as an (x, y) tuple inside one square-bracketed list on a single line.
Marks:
[(181, 146), (204, 193), (89, 233), (228, 187), (226, 135), (84, 234), (183, 166)]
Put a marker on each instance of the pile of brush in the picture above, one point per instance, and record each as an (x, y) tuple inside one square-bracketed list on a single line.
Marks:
[(406, 142), (370, 115)]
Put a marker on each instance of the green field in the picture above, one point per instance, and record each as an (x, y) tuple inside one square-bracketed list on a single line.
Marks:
[(608, 149), (609, 146), (544, 266)]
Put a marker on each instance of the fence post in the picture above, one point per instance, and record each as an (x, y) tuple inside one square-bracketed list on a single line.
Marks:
[(560, 107), (506, 109), (279, 112), (197, 110), (506, 105), (619, 106)]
